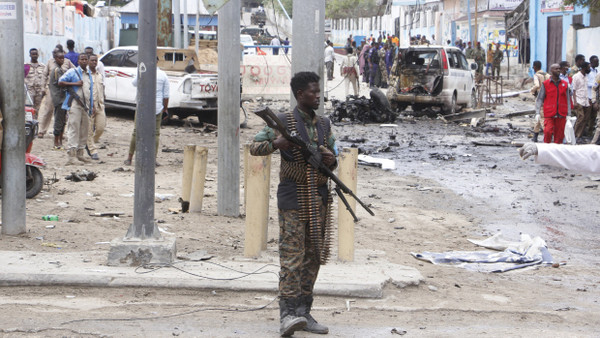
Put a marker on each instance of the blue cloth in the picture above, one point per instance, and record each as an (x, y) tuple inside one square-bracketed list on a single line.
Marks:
[(75, 75), (74, 57)]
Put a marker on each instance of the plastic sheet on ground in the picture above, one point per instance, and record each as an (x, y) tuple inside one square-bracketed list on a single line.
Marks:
[(510, 255)]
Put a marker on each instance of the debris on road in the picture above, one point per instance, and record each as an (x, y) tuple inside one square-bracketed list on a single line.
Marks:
[(81, 175)]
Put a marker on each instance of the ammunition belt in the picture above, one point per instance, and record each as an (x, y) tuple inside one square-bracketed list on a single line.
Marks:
[(308, 179)]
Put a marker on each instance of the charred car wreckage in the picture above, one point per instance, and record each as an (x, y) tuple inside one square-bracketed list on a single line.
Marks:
[(427, 76)]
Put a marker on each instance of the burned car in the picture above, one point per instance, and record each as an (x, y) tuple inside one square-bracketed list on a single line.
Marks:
[(425, 76)]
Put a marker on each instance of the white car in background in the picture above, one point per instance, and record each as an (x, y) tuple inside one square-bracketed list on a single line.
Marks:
[(192, 92), (248, 43)]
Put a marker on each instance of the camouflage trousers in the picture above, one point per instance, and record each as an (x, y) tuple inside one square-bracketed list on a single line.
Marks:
[(297, 255)]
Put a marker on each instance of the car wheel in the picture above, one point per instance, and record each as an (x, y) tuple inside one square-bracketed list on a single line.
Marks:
[(380, 99), (451, 109)]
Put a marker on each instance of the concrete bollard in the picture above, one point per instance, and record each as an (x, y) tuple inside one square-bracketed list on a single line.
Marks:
[(257, 186), (186, 181), (198, 179), (347, 172)]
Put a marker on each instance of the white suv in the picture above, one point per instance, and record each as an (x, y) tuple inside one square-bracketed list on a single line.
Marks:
[(432, 76)]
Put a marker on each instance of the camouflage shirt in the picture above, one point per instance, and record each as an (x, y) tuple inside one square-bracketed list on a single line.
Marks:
[(35, 78)]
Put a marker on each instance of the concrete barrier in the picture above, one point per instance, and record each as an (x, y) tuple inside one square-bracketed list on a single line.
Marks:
[(266, 76)]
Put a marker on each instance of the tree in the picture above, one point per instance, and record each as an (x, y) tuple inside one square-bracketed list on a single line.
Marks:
[(336, 9), (592, 5)]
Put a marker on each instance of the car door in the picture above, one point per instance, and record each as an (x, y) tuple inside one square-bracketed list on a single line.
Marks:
[(468, 76), (458, 76), (112, 62), (127, 72)]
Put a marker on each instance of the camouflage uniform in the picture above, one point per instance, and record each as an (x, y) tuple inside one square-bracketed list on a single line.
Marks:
[(36, 83), (383, 67), (479, 56), (47, 106), (498, 56), (297, 254)]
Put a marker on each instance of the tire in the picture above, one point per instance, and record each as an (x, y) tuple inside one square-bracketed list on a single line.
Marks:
[(451, 109), (380, 99), (244, 123), (34, 181)]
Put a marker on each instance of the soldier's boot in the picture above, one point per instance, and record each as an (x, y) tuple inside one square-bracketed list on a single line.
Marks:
[(535, 137), (303, 310), (289, 322), (72, 157), (82, 158)]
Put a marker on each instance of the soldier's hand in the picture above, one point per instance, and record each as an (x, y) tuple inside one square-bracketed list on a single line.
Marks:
[(327, 156), (282, 143)]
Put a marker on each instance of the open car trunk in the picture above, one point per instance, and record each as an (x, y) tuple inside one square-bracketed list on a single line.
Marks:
[(421, 72)]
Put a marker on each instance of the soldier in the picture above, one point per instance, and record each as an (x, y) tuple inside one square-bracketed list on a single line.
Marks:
[(47, 106), (479, 56), (57, 97), (469, 51), (579, 59), (35, 79), (498, 57), (303, 200), (538, 79)]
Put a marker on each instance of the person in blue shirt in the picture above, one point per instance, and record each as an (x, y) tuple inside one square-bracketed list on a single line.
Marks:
[(72, 55), (79, 101)]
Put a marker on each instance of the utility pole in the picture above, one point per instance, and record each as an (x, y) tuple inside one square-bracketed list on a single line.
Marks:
[(143, 243), (476, 28), (12, 105), (177, 23), (308, 26), (197, 28), (186, 41), (228, 185), (469, 19)]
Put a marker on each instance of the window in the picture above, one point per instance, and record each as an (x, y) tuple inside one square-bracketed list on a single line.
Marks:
[(113, 59), (463, 61), (418, 59), (131, 60)]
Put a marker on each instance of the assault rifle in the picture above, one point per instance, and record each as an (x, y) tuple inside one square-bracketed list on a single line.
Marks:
[(312, 155)]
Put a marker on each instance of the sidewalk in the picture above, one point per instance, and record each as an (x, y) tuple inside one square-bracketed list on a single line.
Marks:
[(366, 277)]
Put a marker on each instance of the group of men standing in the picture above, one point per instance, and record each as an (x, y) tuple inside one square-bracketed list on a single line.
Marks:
[(492, 59), (69, 88), (565, 91)]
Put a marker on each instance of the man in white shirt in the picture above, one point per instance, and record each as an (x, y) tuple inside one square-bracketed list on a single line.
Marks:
[(329, 60), (581, 103), (162, 104), (349, 70), (275, 42)]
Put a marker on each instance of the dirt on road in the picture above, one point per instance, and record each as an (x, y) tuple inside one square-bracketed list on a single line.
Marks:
[(445, 189)]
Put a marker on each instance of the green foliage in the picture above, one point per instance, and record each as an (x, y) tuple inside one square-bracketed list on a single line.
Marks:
[(592, 5), (335, 9)]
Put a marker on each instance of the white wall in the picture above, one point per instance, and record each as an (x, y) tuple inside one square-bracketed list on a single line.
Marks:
[(46, 25), (587, 41)]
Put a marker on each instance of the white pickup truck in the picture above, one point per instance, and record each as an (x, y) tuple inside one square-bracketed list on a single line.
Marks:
[(192, 92)]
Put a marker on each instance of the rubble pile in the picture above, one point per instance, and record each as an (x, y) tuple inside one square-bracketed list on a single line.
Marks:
[(363, 110)]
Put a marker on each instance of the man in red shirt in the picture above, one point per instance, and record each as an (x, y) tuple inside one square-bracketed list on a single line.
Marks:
[(555, 97)]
